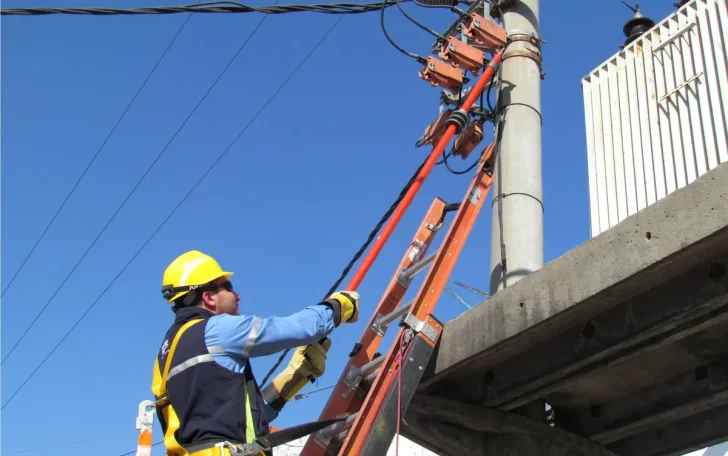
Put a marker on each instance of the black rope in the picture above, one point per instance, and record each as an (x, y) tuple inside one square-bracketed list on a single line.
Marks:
[(356, 257), (206, 7)]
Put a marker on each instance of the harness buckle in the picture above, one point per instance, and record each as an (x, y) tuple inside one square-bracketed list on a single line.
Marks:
[(234, 449)]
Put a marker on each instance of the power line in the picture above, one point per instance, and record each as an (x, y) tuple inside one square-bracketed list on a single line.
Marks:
[(128, 196), (123, 114), (265, 105), (221, 7), (135, 451)]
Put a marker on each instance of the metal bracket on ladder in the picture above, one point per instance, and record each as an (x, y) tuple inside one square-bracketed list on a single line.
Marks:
[(411, 321)]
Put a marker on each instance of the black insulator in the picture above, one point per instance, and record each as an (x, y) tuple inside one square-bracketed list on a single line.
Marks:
[(458, 118), (637, 26), (444, 3)]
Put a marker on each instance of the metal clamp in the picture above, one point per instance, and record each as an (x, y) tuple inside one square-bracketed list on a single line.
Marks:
[(417, 325), (351, 380), (382, 322), (517, 35), (533, 55), (232, 449)]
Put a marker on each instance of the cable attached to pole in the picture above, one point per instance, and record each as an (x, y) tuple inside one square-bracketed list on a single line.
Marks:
[(417, 57)]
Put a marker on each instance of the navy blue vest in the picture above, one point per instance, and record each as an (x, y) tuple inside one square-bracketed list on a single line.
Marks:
[(209, 399)]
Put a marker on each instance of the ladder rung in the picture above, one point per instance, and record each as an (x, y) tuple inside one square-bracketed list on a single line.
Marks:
[(405, 277), (368, 379), (324, 436), (354, 376), (372, 366), (382, 322)]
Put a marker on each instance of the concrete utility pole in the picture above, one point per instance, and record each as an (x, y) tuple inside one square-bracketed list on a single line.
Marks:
[(517, 233)]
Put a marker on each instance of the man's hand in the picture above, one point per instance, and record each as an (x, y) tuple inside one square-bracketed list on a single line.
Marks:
[(315, 357), (308, 361), (345, 305)]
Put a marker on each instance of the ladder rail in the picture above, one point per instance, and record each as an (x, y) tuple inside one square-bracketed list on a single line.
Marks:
[(419, 318), (341, 401)]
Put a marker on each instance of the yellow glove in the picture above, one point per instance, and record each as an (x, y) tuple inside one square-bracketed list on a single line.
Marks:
[(307, 361), (345, 305)]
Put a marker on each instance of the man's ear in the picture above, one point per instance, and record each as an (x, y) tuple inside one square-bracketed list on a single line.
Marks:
[(206, 297)]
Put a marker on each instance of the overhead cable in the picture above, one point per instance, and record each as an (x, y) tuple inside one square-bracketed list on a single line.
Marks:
[(169, 216), (136, 186), (93, 159), (212, 7), (417, 57)]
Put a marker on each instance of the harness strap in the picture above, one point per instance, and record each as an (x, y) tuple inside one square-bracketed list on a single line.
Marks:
[(160, 384), (159, 388)]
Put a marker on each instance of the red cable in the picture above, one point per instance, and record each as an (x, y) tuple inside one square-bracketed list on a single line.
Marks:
[(399, 394)]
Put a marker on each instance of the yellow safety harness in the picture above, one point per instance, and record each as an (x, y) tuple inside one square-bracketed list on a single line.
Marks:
[(159, 388)]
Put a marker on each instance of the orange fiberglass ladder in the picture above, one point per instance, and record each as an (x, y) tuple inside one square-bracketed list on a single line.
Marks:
[(373, 392)]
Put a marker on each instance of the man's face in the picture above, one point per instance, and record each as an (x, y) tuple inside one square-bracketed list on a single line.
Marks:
[(224, 300)]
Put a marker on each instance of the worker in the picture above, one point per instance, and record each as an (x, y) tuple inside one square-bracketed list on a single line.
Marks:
[(207, 396)]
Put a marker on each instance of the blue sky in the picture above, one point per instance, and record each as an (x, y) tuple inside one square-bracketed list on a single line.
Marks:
[(326, 157)]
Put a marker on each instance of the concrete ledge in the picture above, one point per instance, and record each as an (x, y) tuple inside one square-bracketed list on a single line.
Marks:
[(451, 427), (660, 242)]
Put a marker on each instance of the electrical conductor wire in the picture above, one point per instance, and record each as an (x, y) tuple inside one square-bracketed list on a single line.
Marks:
[(133, 190), (265, 105), (206, 7), (416, 22), (391, 41), (123, 114)]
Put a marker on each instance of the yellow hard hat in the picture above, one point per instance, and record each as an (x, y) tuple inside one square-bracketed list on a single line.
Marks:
[(189, 271)]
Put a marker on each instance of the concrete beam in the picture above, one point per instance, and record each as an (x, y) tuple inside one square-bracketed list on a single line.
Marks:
[(451, 427), (680, 437), (649, 248), (657, 405), (634, 343)]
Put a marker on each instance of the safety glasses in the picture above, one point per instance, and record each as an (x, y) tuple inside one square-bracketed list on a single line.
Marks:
[(226, 285)]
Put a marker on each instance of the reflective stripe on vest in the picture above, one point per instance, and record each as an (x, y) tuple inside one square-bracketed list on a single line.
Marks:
[(159, 389)]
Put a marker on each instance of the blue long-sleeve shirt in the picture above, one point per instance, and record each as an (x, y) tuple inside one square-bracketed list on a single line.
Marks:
[(232, 339)]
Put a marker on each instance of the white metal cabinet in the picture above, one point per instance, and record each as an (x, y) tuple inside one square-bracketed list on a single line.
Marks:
[(655, 113)]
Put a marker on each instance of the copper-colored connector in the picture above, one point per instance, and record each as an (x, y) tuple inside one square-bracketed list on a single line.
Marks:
[(439, 73), (485, 33), (468, 139), (463, 55), (435, 130)]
